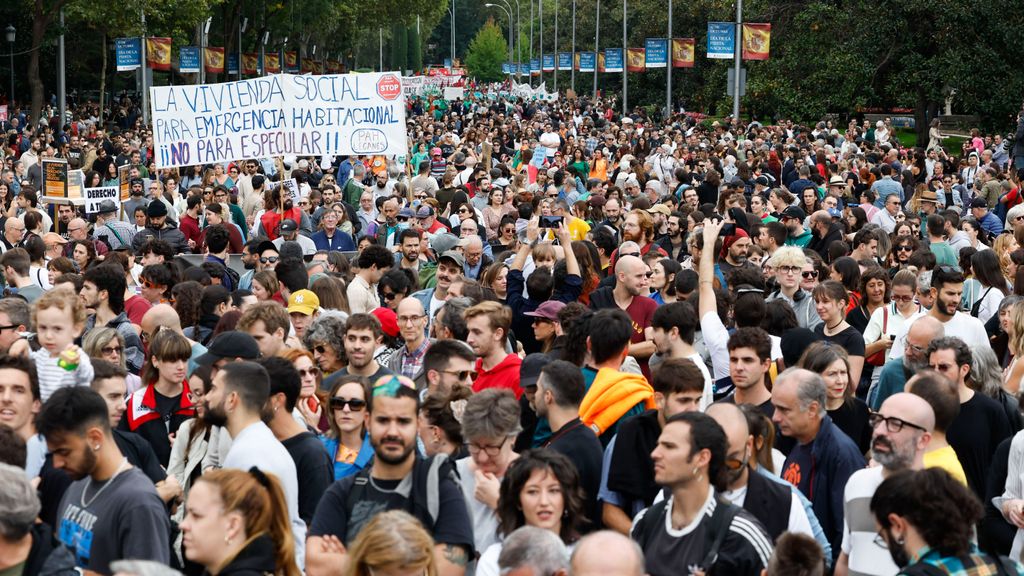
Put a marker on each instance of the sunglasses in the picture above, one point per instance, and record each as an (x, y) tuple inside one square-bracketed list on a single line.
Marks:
[(268, 259), (110, 350), (354, 404), (809, 275), (308, 372), (462, 374), (150, 284), (403, 218), (389, 296), (905, 248)]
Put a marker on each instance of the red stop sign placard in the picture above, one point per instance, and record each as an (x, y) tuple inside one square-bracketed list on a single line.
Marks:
[(389, 87)]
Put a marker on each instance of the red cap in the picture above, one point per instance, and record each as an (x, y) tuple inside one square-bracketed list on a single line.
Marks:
[(388, 320)]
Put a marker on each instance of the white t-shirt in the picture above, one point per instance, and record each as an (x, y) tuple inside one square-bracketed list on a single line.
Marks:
[(798, 521), (716, 339), (865, 557), (963, 326)]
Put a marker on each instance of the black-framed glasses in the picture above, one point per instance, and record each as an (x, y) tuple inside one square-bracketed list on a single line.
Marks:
[(880, 541), (905, 248), (9, 327), (321, 349), (637, 254), (892, 423), (491, 451), (354, 404)]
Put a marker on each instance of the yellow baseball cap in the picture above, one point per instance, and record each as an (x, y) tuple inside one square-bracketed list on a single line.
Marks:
[(303, 302)]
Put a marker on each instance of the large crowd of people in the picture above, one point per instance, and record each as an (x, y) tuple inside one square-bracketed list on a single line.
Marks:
[(553, 339)]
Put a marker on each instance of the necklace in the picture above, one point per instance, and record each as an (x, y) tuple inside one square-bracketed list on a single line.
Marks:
[(837, 324), (121, 468)]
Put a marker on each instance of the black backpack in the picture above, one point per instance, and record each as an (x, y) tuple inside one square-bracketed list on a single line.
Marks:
[(721, 519), (424, 500)]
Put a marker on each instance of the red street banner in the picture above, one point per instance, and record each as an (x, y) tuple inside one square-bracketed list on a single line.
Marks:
[(635, 61), (683, 51), (250, 63), (272, 63), (214, 59), (307, 66), (333, 67), (158, 53), (291, 62), (756, 41)]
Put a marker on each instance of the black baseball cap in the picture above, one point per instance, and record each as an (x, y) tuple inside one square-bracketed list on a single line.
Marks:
[(529, 370), (232, 344)]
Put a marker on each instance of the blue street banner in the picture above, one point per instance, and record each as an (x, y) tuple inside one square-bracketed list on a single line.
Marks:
[(506, 68), (548, 62), (233, 63), (129, 54), (535, 67), (447, 62), (656, 50), (188, 60), (565, 60), (721, 40), (524, 69), (613, 61), (279, 115), (587, 61)]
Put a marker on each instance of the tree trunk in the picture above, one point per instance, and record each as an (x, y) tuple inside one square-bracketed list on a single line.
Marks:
[(921, 117), (103, 76)]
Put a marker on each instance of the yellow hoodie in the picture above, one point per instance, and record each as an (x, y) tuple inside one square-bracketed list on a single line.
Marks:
[(612, 394)]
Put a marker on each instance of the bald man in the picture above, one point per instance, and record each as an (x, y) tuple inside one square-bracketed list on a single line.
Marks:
[(774, 504), (632, 285), (412, 325), (901, 430), (78, 229), (606, 553), (910, 360)]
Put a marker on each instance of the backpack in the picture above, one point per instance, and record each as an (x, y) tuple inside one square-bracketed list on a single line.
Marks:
[(424, 500), (721, 519)]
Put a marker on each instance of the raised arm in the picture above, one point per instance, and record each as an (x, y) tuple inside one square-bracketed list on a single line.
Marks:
[(706, 268)]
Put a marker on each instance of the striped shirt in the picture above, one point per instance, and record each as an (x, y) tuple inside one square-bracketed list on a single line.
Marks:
[(52, 377)]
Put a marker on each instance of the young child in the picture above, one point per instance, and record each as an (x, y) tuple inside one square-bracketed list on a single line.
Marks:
[(59, 318)]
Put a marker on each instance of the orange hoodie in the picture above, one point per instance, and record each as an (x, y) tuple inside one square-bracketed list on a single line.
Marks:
[(612, 394)]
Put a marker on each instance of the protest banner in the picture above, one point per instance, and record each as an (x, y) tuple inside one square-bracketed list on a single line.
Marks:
[(94, 196), (76, 184), (292, 187), (124, 183), (55, 178), (279, 115), (454, 93)]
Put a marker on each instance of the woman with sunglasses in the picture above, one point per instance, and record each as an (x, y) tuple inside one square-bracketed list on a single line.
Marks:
[(309, 410), (542, 490), (325, 339), (902, 248), (848, 413), (107, 343), (347, 441)]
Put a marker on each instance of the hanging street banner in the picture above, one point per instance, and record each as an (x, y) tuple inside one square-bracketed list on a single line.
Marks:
[(188, 60), (524, 69), (250, 63), (535, 67), (129, 54), (233, 63), (548, 61), (600, 62), (683, 52), (721, 40), (124, 182), (280, 115), (272, 63), (613, 60), (635, 60), (291, 62), (95, 196), (656, 52), (757, 39), (214, 58), (586, 61), (565, 60), (506, 68), (307, 66), (158, 53)]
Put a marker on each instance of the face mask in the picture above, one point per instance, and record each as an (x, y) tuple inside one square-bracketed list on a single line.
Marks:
[(403, 225)]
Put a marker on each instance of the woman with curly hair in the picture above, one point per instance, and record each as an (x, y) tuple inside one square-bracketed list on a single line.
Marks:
[(540, 489), (324, 338), (185, 298)]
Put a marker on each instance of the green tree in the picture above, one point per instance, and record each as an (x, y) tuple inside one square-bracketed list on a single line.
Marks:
[(414, 45), (487, 52)]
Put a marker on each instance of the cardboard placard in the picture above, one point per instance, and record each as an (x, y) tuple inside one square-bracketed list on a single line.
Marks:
[(123, 182)]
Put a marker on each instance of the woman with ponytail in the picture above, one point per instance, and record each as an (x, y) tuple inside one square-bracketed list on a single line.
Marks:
[(236, 524)]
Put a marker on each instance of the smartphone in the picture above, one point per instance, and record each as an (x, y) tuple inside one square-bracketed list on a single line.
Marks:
[(728, 230), (551, 221), (312, 403)]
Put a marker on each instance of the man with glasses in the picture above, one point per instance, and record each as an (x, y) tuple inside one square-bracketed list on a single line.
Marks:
[(14, 234), (981, 424), (447, 364), (823, 458), (886, 219), (913, 344), (789, 263), (408, 360), (901, 431), (793, 219)]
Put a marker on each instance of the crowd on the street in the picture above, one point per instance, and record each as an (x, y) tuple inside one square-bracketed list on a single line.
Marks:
[(553, 339)]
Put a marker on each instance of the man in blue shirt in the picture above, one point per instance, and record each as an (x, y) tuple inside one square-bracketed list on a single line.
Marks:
[(989, 221)]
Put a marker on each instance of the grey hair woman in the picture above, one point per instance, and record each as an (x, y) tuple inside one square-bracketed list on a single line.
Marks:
[(325, 338), (107, 344)]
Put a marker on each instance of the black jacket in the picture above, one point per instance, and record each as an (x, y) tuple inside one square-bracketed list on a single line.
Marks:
[(769, 502), (820, 245), (46, 557), (256, 559)]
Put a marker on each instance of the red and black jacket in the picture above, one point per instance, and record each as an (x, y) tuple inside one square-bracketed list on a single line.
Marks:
[(143, 418)]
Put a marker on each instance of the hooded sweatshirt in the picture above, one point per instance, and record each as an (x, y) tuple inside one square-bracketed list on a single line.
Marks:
[(504, 375), (611, 396)]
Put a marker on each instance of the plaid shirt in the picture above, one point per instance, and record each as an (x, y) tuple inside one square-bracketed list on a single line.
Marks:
[(412, 362), (973, 564)]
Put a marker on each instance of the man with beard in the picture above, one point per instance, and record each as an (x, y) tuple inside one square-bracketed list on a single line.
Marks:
[(773, 503), (449, 268), (250, 258), (793, 219), (823, 233), (613, 217), (639, 227), (158, 226), (235, 401), (103, 291), (396, 480), (735, 248), (269, 224), (901, 432), (111, 510), (65, 214), (674, 242)]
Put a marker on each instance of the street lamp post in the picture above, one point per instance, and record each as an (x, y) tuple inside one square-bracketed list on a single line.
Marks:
[(11, 34), (529, 76), (556, 47), (597, 43), (572, 63), (241, 29), (509, 14), (514, 31), (625, 60)]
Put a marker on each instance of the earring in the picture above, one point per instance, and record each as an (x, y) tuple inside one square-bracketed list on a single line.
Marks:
[(95, 448)]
